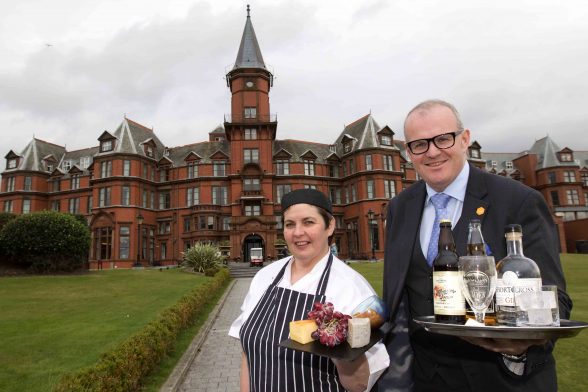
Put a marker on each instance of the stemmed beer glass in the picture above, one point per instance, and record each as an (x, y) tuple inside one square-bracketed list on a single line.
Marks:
[(478, 282)]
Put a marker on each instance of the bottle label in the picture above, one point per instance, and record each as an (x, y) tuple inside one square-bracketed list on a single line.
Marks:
[(508, 286), (447, 296)]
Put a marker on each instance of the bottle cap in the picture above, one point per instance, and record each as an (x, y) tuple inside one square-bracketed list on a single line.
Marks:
[(513, 228), (445, 221)]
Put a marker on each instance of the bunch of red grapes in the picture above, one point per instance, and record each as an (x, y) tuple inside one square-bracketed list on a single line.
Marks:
[(332, 326)]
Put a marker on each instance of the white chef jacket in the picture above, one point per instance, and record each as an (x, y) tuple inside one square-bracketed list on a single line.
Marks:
[(345, 290)]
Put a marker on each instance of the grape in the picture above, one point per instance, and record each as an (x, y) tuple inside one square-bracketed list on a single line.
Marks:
[(332, 325)]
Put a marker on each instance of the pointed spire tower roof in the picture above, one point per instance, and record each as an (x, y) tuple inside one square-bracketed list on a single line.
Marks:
[(249, 55)]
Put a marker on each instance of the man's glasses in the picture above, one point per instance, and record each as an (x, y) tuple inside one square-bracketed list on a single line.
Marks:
[(442, 142)]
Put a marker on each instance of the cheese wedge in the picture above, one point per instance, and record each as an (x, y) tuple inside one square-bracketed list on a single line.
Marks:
[(358, 333), (301, 330)]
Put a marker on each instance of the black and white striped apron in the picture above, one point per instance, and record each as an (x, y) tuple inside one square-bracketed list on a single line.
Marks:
[(275, 368)]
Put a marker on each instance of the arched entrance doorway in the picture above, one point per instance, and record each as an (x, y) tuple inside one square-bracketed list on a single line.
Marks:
[(252, 241)]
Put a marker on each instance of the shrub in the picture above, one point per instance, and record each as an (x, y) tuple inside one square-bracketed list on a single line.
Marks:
[(123, 368), (201, 257), (47, 241)]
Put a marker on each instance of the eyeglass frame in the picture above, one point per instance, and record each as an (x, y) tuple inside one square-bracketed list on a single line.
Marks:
[(430, 140)]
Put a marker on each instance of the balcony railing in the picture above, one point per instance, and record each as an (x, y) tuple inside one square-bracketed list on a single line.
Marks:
[(239, 118)]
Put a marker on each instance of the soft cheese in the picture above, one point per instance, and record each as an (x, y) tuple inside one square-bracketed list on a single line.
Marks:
[(359, 330), (301, 330)]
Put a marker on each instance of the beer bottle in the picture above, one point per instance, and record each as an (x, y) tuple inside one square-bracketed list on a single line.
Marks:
[(477, 247), (515, 273), (448, 300)]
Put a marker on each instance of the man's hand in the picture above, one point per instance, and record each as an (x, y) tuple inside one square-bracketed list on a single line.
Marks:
[(506, 346)]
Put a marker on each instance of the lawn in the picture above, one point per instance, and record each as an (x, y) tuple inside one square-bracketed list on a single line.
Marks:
[(50, 325), (570, 354)]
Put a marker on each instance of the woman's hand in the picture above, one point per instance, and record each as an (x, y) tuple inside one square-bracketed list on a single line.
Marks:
[(244, 379), (354, 375)]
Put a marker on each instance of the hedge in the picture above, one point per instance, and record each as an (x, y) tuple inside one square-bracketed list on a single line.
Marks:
[(123, 368)]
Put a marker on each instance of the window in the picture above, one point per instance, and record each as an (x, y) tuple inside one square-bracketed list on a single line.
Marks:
[(250, 134), (149, 151), (11, 164), (494, 163), (308, 167), (252, 210), (55, 205), (333, 170), (126, 167), (551, 179), (192, 197), (572, 197), (104, 197), (8, 206), (10, 184), (281, 190), (584, 176), (250, 112), (66, 165), (84, 162), (569, 176), (219, 168), (251, 184), (89, 202), (28, 183), (74, 205), (347, 198), (586, 198), (145, 170), (106, 169), (353, 193), (347, 147), (124, 242), (164, 174), (26, 206), (49, 167), (385, 140), (164, 200), (370, 189), (555, 198), (565, 157), (475, 153), (368, 162), (309, 186), (192, 169), (389, 189), (344, 167), (210, 222), (106, 145), (388, 162), (219, 195), (164, 227), (163, 250), (152, 200), (508, 164), (55, 185), (75, 181), (335, 194), (251, 155), (351, 166), (187, 224), (144, 199), (226, 223), (282, 166), (201, 222), (125, 195)]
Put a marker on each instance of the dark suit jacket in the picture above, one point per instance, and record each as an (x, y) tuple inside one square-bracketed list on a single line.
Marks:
[(504, 201)]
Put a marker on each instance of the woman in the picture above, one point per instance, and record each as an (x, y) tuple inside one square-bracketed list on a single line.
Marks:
[(285, 291)]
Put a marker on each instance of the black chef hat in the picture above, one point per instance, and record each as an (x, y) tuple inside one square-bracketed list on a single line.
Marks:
[(307, 196)]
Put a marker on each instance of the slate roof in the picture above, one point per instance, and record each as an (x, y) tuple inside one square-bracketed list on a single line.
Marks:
[(546, 151), (34, 152), (363, 133), (203, 149), (249, 55), (297, 148), (130, 137)]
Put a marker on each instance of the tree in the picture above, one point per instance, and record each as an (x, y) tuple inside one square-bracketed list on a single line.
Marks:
[(46, 241)]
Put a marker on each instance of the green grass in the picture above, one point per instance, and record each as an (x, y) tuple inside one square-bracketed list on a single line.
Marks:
[(50, 325), (570, 354)]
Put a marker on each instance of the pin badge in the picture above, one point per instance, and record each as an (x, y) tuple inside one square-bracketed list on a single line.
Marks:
[(480, 211)]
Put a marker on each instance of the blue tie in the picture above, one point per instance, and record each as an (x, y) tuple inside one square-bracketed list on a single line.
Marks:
[(439, 201)]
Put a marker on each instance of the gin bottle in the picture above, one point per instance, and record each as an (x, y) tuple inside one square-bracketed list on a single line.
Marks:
[(516, 274)]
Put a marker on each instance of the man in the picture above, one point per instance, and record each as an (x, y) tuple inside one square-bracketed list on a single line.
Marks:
[(437, 145)]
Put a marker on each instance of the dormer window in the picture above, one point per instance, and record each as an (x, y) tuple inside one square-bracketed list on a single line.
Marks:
[(475, 153), (11, 164), (84, 162), (566, 157), (218, 138), (50, 167), (106, 145), (385, 140), (494, 163), (66, 165), (149, 151), (508, 164), (347, 147)]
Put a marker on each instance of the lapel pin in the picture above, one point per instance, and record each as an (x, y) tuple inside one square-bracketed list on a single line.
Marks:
[(480, 211)]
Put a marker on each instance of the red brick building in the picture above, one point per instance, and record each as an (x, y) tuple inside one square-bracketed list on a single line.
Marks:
[(146, 202)]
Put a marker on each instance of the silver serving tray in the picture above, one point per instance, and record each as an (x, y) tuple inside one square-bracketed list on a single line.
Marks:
[(567, 329)]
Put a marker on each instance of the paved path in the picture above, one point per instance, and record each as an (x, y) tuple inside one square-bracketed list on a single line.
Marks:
[(213, 361)]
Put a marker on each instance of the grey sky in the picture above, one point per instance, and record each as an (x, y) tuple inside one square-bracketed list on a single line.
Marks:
[(515, 69)]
